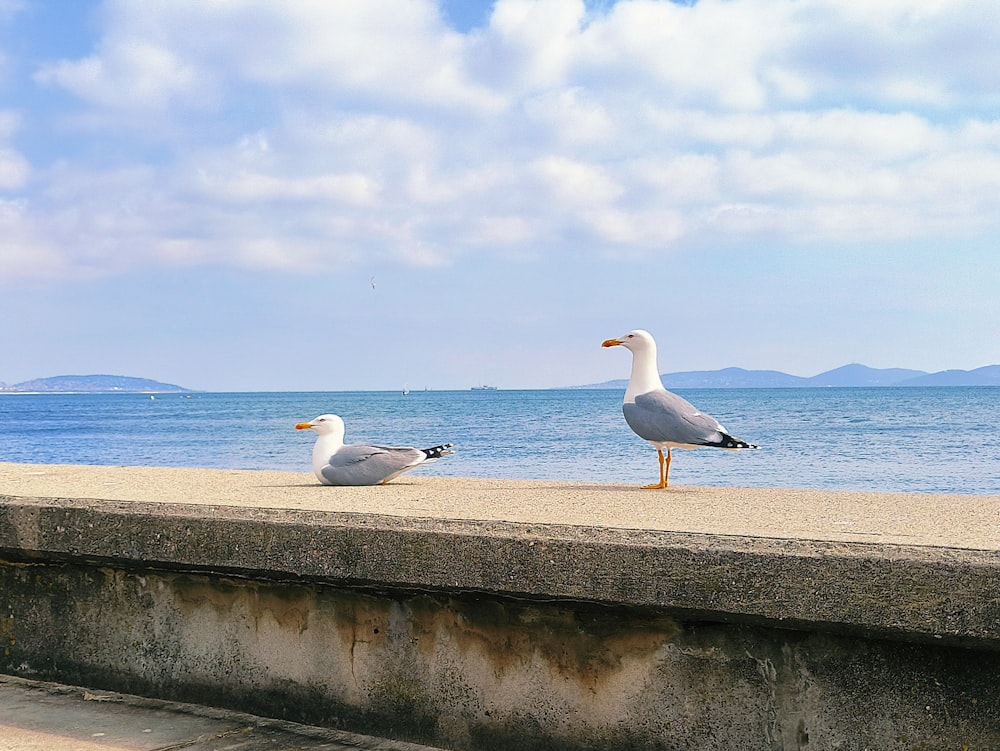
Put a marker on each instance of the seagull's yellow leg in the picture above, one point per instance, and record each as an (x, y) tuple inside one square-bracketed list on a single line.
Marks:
[(664, 469)]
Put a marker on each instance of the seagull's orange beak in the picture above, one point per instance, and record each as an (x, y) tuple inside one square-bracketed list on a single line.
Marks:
[(611, 342), (304, 426)]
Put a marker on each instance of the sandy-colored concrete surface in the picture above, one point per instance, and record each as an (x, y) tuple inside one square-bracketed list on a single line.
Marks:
[(951, 521)]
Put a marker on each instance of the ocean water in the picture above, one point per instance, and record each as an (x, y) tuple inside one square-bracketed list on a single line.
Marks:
[(928, 440)]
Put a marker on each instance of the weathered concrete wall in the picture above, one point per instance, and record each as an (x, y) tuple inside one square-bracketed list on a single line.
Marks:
[(507, 635), (476, 672)]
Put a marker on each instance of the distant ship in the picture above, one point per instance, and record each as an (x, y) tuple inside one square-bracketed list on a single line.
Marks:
[(484, 388)]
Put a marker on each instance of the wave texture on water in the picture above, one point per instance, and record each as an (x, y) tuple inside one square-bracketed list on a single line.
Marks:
[(933, 440)]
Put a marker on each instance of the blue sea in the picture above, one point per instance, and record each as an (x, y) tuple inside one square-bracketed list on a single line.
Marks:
[(927, 440)]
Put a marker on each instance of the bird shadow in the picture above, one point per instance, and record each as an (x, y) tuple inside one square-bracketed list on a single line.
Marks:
[(321, 486), (293, 485), (616, 489), (565, 485)]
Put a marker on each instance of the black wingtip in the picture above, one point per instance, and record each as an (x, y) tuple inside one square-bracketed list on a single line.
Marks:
[(728, 442), (437, 452)]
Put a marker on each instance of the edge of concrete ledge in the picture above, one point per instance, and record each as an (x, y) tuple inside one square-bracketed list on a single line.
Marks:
[(948, 595)]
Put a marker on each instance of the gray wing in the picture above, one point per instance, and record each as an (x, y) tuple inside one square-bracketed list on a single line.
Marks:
[(664, 417), (369, 465)]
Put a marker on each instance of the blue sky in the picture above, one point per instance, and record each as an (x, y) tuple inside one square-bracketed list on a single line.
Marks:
[(202, 192)]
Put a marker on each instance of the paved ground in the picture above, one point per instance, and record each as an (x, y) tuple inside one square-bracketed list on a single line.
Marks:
[(951, 521), (50, 717)]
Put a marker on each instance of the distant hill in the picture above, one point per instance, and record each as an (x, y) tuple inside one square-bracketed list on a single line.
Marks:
[(854, 375), (862, 375), (985, 376), (95, 384)]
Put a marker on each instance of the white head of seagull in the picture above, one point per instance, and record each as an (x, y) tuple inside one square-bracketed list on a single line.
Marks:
[(664, 419), (645, 375), (325, 425)]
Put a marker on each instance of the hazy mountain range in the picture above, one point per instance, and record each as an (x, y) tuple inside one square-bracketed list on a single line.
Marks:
[(847, 375), (101, 384)]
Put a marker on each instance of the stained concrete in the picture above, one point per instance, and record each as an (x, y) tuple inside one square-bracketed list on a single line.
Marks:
[(486, 615)]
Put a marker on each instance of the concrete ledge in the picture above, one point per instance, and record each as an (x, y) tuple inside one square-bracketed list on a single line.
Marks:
[(439, 616), (941, 592)]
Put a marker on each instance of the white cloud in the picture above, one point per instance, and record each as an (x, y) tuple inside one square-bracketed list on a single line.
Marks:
[(426, 185), (899, 53), (193, 53), (268, 135), (577, 184), (709, 54), (25, 252), (571, 117), (678, 180), (383, 51), (501, 231), (131, 75), (637, 229), (353, 190), (532, 45), (14, 167)]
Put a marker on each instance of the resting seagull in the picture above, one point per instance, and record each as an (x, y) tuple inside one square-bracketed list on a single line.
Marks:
[(663, 418), (360, 464)]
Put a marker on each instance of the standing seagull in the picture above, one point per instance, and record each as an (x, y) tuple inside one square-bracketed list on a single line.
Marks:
[(663, 418), (360, 464)]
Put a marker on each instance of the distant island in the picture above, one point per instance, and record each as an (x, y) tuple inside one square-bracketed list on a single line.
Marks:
[(848, 375), (93, 384)]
